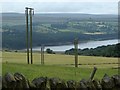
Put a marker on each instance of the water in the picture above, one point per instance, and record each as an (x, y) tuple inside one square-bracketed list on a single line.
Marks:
[(89, 44)]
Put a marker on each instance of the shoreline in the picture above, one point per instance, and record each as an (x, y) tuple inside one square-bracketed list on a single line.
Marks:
[(82, 45)]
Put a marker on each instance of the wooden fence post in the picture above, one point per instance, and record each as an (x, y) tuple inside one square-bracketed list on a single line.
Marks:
[(42, 55), (76, 52)]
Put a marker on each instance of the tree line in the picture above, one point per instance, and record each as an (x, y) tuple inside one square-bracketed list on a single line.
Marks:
[(105, 51)]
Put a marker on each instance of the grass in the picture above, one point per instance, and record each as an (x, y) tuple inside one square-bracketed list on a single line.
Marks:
[(57, 65), (0, 63)]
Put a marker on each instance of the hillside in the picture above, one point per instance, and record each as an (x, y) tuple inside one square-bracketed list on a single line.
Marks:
[(56, 29), (105, 51)]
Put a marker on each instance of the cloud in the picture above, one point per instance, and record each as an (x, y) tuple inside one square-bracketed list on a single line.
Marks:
[(84, 7), (59, 1)]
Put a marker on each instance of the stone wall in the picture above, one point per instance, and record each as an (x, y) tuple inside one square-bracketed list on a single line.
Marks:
[(18, 81)]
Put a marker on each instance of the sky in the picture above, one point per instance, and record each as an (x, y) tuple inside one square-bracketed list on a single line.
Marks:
[(62, 6)]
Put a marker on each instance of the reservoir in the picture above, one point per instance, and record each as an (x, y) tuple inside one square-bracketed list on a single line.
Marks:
[(89, 44)]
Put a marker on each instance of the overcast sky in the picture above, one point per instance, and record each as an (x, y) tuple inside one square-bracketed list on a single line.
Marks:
[(66, 6)]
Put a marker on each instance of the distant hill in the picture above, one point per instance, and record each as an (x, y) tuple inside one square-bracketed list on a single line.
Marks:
[(57, 28), (56, 17)]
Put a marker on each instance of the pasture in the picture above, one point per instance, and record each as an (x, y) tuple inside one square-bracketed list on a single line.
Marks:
[(58, 65)]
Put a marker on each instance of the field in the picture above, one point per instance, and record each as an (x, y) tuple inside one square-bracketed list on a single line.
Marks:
[(57, 29), (57, 65)]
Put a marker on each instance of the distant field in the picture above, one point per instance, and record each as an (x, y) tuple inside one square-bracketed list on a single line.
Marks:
[(57, 65)]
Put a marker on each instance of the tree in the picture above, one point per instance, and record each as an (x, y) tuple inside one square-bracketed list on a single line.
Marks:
[(50, 51)]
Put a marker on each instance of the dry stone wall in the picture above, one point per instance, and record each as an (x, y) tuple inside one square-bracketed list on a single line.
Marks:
[(18, 81)]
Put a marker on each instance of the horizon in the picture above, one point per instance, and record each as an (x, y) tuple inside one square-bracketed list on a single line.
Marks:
[(62, 7), (58, 13)]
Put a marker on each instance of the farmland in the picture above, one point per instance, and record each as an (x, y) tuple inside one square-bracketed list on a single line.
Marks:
[(57, 29), (57, 65)]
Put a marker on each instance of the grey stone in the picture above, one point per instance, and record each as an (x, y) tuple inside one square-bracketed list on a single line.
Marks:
[(57, 84), (71, 84), (116, 79), (21, 81), (97, 84), (107, 83), (10, 80), (40, 82)]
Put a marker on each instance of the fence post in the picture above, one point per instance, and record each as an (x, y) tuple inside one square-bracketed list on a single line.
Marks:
[(42, 54), (76, 52), (93, 73)]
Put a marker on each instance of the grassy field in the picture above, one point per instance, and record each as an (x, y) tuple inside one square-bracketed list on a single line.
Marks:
[(57, 65), (0, 63)]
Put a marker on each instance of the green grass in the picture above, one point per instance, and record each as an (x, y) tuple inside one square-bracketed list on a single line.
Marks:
[(66, 73), (0, 63), (55, 66)]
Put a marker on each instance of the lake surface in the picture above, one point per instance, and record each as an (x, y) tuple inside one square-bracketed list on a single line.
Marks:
[(89, 44)]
